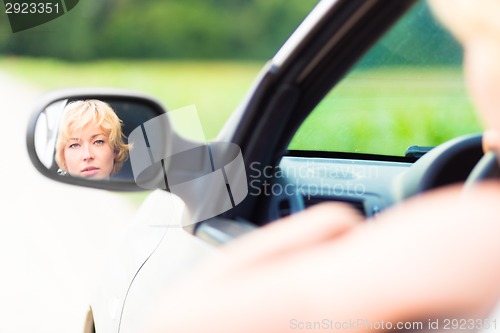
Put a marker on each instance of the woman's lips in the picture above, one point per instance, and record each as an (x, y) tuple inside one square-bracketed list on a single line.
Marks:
[(89, 171)]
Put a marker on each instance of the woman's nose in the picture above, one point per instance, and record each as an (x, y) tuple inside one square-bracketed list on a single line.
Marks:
[(87, 153)]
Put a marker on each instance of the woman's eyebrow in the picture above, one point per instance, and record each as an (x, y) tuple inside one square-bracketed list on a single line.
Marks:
[(95, 135)]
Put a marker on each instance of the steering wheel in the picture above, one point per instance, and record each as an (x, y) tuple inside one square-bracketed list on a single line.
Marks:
[(486, 168), (455, 161)]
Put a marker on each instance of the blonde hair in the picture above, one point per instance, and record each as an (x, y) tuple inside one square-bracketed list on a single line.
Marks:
[(468, 19), (79, 114)]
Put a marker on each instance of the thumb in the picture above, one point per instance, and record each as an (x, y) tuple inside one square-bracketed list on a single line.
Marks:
[(491, 141)]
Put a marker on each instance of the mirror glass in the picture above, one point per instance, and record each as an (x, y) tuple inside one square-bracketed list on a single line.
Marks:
[(87, 138)]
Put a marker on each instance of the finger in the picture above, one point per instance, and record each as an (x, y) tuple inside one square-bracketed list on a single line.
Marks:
[(491, 141)]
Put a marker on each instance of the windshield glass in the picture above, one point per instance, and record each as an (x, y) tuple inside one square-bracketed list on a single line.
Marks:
[(408, 90)]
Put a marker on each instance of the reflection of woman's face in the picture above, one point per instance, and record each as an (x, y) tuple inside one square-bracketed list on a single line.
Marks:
[(88, 153)]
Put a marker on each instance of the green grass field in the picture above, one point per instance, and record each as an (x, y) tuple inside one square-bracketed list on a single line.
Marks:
[(386, 111)]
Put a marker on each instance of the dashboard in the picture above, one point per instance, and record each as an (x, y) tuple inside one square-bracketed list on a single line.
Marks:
[(367, 185)]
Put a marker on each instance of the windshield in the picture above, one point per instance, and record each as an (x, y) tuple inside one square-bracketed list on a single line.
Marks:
[(408, 90)]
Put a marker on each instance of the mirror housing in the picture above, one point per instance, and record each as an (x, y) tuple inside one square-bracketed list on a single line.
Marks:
[(132, 108)]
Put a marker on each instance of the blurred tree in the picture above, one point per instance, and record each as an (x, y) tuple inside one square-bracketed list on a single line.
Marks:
[(205, 29), (201, 29), (162, 29), (67, 37)]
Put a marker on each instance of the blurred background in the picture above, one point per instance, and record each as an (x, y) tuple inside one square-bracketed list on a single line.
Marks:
[(183, 52)]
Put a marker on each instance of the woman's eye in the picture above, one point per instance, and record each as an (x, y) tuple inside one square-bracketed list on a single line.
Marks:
[(74, 145), (99, 142)]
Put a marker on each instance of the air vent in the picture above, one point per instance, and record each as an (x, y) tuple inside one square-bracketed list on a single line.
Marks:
[(357, 204)]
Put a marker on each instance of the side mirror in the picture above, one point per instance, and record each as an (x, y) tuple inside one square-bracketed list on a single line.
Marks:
[(45, 127), (70, 140)]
